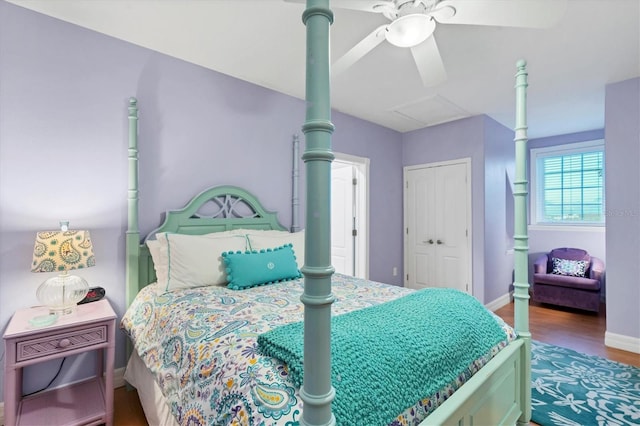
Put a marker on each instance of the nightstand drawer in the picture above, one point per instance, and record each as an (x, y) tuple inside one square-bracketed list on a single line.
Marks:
[(62, 342)]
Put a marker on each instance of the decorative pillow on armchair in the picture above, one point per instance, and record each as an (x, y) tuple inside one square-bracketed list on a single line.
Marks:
[(571, 268)]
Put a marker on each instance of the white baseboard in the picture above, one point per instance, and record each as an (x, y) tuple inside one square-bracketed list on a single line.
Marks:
[(118, 381), (501, 301), (618, 341)]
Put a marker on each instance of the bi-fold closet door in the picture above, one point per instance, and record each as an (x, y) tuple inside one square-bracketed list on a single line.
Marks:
[(437, 212)]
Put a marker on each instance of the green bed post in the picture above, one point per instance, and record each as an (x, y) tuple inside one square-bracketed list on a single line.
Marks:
[(295, 178), (521, 284), (133, 233), (317, 393)]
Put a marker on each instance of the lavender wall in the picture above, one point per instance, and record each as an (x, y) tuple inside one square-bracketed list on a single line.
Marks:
[(383, 147), (63, 152), (622, 156), (499, 173)]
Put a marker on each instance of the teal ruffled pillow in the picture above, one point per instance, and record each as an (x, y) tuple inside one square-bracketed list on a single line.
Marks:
[(254, 268)]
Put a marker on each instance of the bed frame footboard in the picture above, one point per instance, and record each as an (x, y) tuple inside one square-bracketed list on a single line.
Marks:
[(492, 396)]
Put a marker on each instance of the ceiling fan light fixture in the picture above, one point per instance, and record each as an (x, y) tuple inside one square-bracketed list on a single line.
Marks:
[(410, 30)]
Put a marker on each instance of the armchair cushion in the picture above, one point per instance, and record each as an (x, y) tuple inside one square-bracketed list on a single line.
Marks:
[(581, 283)]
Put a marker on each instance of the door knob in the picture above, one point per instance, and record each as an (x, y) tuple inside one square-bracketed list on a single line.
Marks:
[(439, 242), (430, 241)]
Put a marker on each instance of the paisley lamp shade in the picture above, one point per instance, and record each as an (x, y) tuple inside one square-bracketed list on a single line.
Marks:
[(62, 251)]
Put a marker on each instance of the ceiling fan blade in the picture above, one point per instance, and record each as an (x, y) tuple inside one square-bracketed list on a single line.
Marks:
[(375, 6), (512, 13), (359, 50), (429, 62)]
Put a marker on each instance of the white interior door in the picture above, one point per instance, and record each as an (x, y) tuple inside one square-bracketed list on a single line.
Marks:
[(342, 216), (349, 215), (437, 226)]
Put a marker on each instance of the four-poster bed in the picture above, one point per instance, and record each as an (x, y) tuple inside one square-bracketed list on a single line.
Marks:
[(197, 340)]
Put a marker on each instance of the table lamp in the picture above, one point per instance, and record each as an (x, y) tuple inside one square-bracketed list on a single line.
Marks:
[(61, 251)]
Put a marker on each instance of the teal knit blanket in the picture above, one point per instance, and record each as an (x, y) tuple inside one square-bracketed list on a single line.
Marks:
[(388, 357)]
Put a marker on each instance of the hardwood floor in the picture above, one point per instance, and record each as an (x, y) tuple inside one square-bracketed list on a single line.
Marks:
[(574, 329), (577, 330), (127, 410)]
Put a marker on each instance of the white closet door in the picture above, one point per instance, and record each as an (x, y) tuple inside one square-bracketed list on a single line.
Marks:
[(420, 212), (437, 221), (451, 226)]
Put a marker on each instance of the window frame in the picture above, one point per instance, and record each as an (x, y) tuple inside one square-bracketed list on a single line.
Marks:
[(536, 154)]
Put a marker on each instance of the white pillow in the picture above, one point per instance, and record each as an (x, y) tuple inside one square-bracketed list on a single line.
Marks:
[(159, 261), (258, 240), (195, 260)]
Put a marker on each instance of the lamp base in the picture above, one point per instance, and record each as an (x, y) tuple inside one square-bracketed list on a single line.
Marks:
[(62, 293)]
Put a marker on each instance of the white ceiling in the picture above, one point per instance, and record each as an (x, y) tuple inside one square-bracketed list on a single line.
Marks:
[(263, 41)]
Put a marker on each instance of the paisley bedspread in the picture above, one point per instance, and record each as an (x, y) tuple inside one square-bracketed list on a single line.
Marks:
[(201, 346)]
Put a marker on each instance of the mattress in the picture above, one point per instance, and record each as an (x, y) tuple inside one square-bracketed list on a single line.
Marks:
[(200, 347)]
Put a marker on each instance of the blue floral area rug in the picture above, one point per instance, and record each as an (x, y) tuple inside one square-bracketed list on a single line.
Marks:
[(570, 389)]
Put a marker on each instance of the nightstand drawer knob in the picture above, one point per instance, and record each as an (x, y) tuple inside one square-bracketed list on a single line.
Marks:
[(64, 343)]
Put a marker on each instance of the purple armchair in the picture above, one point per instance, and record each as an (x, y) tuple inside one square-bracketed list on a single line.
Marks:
[(568, 277)]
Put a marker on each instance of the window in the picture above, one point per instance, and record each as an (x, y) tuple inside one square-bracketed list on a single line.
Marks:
[(568, 184)]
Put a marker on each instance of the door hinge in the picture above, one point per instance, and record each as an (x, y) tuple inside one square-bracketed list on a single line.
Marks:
[(406, 184), (407, 231), (354, 232), (407, 277), (354, 181)]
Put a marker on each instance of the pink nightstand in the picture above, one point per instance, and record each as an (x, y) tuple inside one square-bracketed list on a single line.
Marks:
[(89, 402)]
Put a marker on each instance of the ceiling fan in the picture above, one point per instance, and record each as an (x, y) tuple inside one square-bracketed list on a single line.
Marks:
[(413, 23)]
